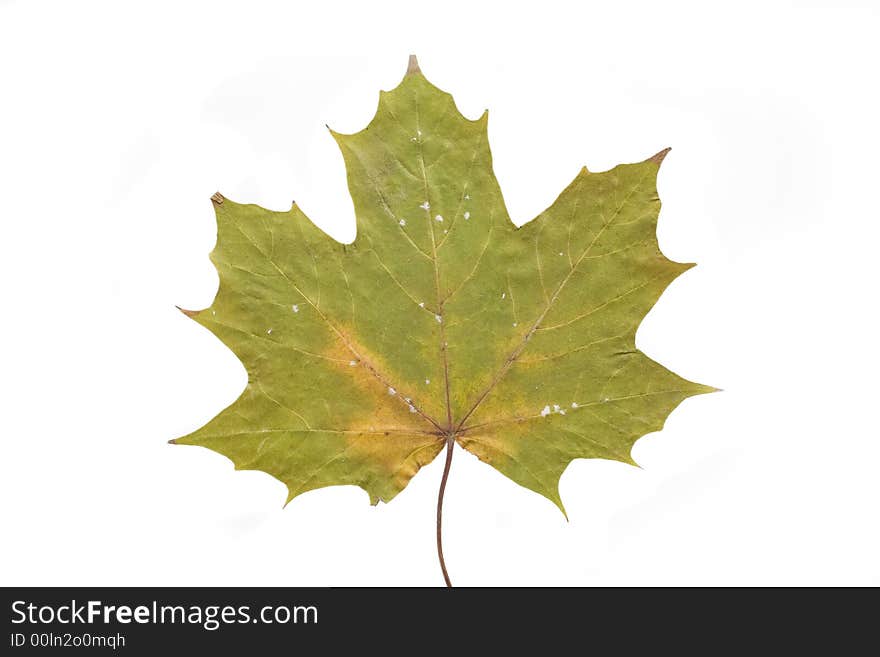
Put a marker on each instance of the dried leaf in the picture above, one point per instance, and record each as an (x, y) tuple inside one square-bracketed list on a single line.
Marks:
[(443, 320)]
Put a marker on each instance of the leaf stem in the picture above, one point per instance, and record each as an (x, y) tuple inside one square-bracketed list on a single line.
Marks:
[(450, 443)]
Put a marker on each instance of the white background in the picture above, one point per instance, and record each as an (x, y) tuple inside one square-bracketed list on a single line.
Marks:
[(117, 123)]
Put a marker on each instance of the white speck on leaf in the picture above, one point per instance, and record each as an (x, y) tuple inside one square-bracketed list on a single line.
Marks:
[(402, 222), (295, 308), (545, 411), (427, 382), (439, 319), (412, 409), (514, 325), (391, 391), (467, 215), (574, 404), (556, 407), (421, 304), (467, 197), (504, 295), (269, 332), (438, 218), (425, 206), (560, 253), (352, 363)]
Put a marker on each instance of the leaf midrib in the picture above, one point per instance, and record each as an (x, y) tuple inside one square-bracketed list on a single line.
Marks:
[(439, 297)]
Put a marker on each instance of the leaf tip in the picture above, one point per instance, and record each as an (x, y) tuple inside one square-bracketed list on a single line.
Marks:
[(217, 198), (337, 136), (564, 512), (659, 157), (557, 500), (412, 66), (173, 441), (188, 313)]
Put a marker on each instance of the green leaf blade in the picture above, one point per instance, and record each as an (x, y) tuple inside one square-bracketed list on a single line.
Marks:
[(442, 319)]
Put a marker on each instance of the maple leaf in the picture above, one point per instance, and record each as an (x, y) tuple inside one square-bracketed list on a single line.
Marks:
[(443, 322)]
